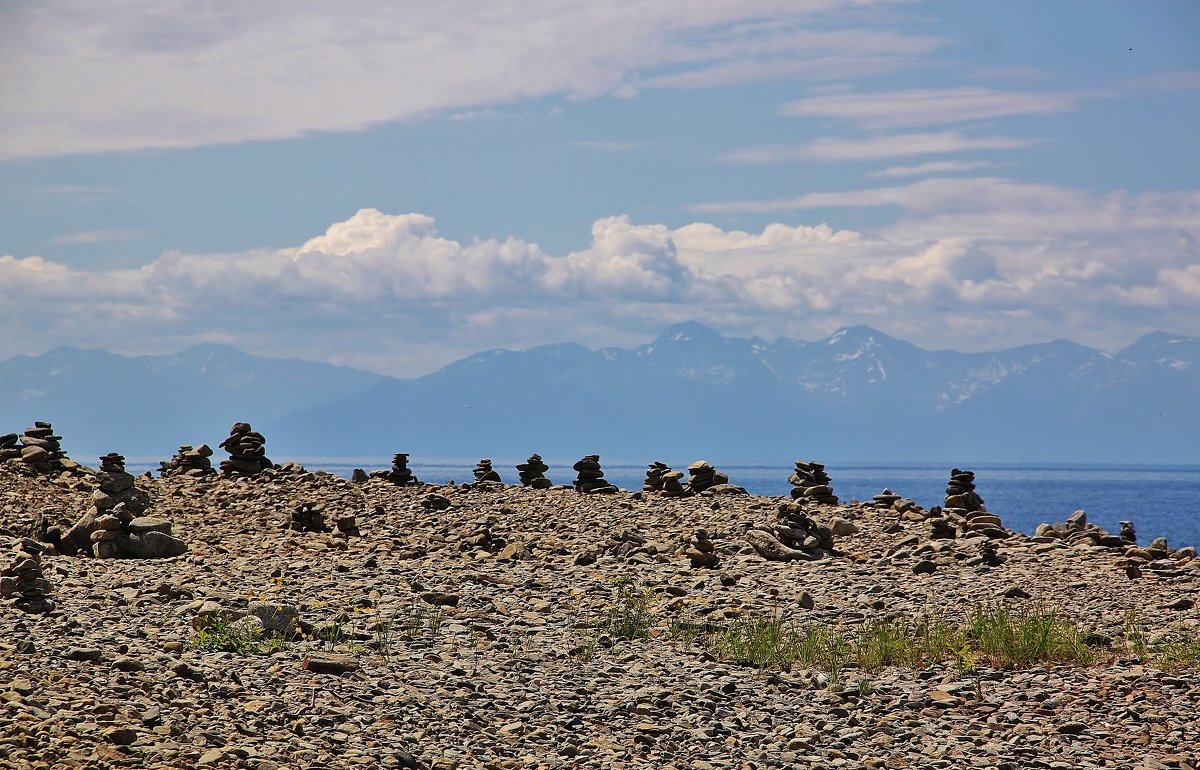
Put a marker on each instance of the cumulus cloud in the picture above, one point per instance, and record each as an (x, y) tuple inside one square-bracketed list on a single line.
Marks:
[(970, 263), (144, 75)]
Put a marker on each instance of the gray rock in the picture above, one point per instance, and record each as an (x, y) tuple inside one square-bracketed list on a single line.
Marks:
[(153, 545)]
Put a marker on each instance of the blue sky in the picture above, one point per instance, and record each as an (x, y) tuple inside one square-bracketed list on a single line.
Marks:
[(394, 185)]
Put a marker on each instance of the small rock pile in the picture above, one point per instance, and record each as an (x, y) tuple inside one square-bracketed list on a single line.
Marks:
[(39, 450), (484, 472), (22, 582), (247, 450), (1076, 530), (189, 461), (960, 492), (533, 473), (117, 487), (794, 537), (700, 550), (591, 477), (435, 502), (8, 447), (887, 500), (810, 482), (661, 479), (400, 473), (964, 507), (308, 517), (116, 528), (702, 476)]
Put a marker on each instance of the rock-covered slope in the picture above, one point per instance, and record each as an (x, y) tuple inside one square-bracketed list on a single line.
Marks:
[(490, 664)]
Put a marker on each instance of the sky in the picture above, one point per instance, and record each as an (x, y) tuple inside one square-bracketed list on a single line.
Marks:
[(394, 185)]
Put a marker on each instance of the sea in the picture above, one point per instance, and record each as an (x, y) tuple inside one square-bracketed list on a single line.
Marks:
[(1161, 501)]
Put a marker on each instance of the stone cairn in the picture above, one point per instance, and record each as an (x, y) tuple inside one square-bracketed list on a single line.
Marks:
[(590, 477), (661, 479), (702, 476), (400, 473), (37, 448), (22, 582), (308, 517), (964, 507), (700, 550), (117, 527), (793, 537), (189, 461), (483, 471), (247, 450), (533, 473), (810, 482)]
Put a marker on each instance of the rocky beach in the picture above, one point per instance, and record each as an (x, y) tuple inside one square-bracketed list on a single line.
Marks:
[(319, 622)]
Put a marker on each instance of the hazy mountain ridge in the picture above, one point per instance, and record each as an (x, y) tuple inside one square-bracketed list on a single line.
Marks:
[(691, 392)]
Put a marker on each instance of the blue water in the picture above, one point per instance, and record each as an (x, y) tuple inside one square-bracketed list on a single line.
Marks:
[(1160, 501)]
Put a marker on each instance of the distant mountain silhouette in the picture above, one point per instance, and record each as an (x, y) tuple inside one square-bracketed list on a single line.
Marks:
[(857, 394)]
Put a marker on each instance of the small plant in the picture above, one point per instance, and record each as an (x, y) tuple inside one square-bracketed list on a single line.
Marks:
[(225, 635), (1179, 652), (413, 622), (630, 614)]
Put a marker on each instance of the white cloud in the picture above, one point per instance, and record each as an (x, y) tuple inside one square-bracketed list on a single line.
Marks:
[(933, 167), (102, 236), (970, 263), (833, 148), (935, 106), (138, 75)]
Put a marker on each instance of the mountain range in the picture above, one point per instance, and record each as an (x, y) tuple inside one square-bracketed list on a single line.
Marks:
[(857, 394)]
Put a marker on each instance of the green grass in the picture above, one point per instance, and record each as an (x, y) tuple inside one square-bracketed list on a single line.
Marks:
[(1000, 635), (1173, 652), (1009, 637)]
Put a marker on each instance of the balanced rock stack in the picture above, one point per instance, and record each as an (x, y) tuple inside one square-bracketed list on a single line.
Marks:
[(533, 473), (661, 479), (247, 450), (189, 461), (702, 476), (700, 550), (591, 477), (400, 473), (308, 517), (484, 472), (117, 529), (22, 582), (810, 482), (39, 449), (964, 507), (117, 489)]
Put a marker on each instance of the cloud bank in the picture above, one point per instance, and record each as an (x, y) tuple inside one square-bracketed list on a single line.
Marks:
[(970, 263), (142, 75)]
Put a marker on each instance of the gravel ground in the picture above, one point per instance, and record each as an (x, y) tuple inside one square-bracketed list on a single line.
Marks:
[(503, 671)]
